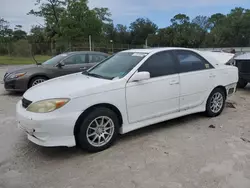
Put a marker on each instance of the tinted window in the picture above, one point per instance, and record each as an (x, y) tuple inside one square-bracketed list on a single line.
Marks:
[(160, 64), (55, 60), (95, 58), (189, 61), (75, 59)]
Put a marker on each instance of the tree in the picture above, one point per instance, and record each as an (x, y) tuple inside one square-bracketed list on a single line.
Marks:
[(18, 33), (140, 30), (180, 19), (202, 22), (5, 31), (78, 21), (122, 34), (37, 34), (216, 19), (51, 11), (103, 14)]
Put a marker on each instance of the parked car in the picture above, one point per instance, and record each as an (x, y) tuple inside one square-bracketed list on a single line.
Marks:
[(242, 62), (25, 77), (128, 91)]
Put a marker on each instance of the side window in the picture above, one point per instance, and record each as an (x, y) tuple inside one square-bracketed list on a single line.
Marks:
[(95, 58), (160, 64), (75, 59), (189, 61)]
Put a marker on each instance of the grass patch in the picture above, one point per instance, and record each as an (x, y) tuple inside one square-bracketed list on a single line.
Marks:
[(6, 60)]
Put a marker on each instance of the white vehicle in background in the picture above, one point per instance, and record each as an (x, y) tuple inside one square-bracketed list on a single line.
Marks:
[(128, 91)]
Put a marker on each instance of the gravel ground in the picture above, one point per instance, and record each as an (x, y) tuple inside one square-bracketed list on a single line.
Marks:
[(182, 153)]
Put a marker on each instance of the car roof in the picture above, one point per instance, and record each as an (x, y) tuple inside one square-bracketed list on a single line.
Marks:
[(215, 58), (84, 52), (155, 50), (245, 56)]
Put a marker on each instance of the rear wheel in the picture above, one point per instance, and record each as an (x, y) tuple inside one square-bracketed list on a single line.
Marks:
[(241, 83), (98, 130), (37, 80), (215, 102)]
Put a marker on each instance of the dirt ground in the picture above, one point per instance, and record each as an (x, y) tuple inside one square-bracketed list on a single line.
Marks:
[(182, 153)]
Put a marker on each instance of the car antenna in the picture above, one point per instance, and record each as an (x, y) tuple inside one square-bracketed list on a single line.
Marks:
[(34, 59), (67, 50), (32, 55)]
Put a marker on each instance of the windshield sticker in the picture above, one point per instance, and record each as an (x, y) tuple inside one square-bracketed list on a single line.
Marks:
[(64, 55), (207, 66), (139, 54)]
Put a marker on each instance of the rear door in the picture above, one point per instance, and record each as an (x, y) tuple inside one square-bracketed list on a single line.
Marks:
[(197, 78)]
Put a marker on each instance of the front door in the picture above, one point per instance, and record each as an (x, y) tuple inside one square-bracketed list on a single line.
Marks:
[(157, 96), (93, 59), (73, 64), (197, 79)]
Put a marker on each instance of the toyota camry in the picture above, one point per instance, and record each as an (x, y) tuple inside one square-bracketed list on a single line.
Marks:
[(130, 90)]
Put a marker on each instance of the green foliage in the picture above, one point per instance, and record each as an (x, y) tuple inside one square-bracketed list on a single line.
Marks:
[(21, 48), (7, 60), (140, 30), (68, 24), (79, 22)]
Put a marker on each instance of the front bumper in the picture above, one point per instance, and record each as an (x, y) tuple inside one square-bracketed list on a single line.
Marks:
[(49, 129), (16, 85), (231, 89)]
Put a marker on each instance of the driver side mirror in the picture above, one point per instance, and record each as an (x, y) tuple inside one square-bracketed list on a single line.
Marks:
[(60, 64), (139, 76)]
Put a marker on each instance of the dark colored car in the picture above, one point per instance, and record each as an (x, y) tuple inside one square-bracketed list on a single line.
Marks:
[(67, 63), (243, 64)]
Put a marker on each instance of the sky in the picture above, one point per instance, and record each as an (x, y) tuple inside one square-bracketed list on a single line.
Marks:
[(126, 11)]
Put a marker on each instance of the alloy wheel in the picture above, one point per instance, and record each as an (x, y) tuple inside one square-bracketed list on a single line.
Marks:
[(100, 131), (216, 102)]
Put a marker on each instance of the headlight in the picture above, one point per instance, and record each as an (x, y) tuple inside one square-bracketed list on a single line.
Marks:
[(46, 106), (17, 75)]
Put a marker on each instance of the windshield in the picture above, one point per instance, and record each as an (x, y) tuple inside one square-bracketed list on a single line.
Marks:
[(117, 66), (55, 60)]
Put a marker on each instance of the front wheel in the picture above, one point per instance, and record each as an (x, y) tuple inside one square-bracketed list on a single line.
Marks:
[(37, 80), (98, 130), (215, 102)]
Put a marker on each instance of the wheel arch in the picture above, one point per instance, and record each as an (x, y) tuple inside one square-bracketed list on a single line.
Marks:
[(91, 108), (218, 87), (34, 76), (221, 87)]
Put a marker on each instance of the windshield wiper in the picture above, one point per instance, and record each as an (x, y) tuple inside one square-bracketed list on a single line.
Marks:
[(96, 75)]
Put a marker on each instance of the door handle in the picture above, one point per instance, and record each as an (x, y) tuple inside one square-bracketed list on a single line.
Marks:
[(174, 82), (211, 75)]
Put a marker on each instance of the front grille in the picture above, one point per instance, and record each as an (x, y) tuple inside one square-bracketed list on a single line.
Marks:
[(26, 103)]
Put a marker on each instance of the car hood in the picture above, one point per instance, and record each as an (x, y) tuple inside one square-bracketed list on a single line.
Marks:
[(21, 68), (69, 86), (27, 68)]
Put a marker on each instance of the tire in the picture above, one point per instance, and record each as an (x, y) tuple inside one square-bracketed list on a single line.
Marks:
[(212, 110), (89, 135), (241, 83), (36, 80)]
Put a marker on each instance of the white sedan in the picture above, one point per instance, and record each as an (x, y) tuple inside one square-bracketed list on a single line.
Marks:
[(127, 91)]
